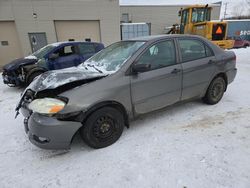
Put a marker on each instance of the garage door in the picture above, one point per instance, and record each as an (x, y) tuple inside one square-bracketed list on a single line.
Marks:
[(9, 42), (78, 30)]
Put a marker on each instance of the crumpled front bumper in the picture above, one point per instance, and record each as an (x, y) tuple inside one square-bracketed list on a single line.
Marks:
[(49, 133), (11, 79)]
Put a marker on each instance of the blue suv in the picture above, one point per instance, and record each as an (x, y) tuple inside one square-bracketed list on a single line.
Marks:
[(51, 57)]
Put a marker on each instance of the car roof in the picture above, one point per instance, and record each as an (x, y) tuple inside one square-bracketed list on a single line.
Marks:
[(158, 37), (73, 42), (155, 38)]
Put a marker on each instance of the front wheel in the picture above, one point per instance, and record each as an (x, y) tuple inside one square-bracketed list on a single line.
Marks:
[(103, 127), (215, 91), (32, 76)]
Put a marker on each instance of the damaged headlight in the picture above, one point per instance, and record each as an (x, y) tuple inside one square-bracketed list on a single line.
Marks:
[(46, 105)]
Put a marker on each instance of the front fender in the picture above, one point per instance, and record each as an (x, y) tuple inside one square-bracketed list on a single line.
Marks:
[(110, 90), (73, 113)]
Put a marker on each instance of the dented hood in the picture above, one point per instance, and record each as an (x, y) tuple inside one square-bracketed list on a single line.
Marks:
[(56, 78), (53, 79), (19, 62)]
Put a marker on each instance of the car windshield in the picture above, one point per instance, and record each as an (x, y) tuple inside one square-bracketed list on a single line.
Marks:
[(43, 51), (110, 59)]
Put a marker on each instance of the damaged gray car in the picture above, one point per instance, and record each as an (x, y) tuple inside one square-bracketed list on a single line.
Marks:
[(126, 79)]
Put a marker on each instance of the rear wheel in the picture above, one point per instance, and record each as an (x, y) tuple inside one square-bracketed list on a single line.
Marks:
[(103, 127), (215, 91)]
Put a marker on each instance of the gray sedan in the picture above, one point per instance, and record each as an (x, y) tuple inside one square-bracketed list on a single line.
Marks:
[(126, 79)]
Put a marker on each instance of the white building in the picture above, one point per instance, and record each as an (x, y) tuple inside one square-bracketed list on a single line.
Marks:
[(55, 20)]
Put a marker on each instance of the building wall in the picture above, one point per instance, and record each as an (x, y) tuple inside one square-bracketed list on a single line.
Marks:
[(107, 12), (160, 16), (9, 42)]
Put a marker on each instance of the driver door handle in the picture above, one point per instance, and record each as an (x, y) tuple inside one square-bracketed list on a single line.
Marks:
[(175, 71), (210, 62)]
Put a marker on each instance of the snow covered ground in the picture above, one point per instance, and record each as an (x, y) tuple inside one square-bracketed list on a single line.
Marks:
[(188, 145)]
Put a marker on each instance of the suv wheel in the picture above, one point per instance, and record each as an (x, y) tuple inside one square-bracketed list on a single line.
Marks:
[(103, 127), (215, 91), (32, 76)]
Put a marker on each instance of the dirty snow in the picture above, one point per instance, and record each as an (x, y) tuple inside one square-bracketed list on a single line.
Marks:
[(188, 145)]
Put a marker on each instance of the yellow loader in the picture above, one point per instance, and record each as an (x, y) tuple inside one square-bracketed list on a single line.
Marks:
[(196, 20)]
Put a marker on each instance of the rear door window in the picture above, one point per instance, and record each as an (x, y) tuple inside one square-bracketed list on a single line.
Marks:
[(66, 51), (69, 50), (86, 48), (192, 49), (209, 52)]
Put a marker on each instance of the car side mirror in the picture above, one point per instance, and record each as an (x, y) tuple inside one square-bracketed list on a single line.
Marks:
[(140, 68), (53, 56)]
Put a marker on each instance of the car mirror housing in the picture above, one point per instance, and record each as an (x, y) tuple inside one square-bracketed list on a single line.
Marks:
[(137, 68)]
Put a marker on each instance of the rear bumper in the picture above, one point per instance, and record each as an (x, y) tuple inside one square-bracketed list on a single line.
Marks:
[(231, 74), (50, 133)]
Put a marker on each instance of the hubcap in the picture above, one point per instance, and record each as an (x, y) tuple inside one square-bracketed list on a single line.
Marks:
[(217, 91), (104, 128)]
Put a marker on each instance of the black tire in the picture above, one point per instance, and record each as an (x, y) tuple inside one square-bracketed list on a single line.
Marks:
[(215, 91), (32, 76), (103, 127)]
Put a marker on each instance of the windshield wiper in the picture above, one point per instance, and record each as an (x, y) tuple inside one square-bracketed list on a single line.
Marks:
[(95, 68)]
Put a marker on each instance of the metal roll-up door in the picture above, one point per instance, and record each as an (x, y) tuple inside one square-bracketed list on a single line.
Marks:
[(78, 30)]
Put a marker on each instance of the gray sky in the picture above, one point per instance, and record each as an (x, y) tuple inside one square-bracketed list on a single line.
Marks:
[(233, 5)]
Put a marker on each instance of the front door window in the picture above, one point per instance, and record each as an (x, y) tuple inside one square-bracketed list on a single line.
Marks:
[(159, 55)]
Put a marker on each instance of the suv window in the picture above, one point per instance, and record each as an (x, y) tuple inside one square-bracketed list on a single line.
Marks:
[(191, 49), (65, 51), (159, 55), (86, 48)]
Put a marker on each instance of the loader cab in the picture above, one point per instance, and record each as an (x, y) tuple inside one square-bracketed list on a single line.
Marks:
[(196, 20), (193, 15)]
